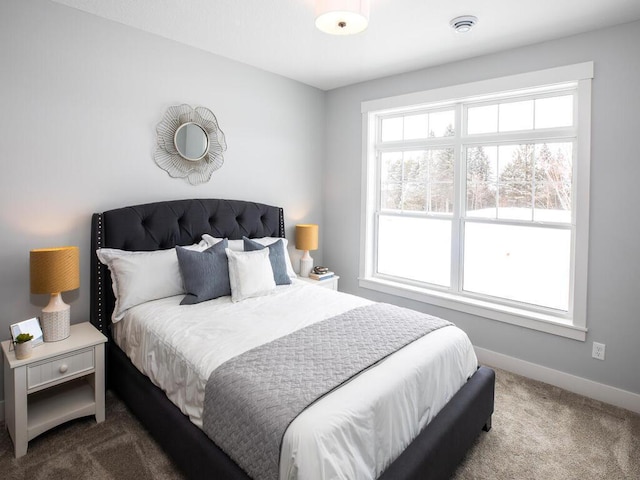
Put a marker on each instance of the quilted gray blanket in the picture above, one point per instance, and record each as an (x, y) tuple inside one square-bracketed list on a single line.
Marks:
[(251, 399)]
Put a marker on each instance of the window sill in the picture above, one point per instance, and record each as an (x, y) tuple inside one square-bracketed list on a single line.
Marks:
[(513, 316)]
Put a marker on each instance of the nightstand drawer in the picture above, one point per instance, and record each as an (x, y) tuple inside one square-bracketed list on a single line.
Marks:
[(57, 368)]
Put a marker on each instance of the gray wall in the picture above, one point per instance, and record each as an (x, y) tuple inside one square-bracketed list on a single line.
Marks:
[(614, 258), (81, 97)]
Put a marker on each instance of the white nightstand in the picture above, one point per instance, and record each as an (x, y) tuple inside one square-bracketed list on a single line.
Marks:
[(331, 283), (60, 381)]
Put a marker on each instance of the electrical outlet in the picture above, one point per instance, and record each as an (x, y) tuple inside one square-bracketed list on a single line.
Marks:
[(598, 350)]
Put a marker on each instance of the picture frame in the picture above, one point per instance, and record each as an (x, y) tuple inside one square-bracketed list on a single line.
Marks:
[(31, 326)]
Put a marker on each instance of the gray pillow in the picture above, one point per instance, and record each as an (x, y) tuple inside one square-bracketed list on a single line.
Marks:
[(205, 274), (276, 257)]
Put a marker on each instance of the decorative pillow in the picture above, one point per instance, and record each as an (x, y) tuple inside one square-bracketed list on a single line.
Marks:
[(200, 246), (250, 274), (235, 245), (205, 274), (238, 246), (209, 240), (139, 277), (276, 257)]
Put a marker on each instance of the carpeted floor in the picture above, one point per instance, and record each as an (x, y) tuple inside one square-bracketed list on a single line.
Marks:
[(539, 432), (544, 432)]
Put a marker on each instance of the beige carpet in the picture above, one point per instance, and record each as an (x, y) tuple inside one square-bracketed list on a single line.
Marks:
[(543, 432), (539, 432)]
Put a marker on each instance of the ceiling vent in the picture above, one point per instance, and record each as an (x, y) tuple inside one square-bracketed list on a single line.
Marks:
[(463, 24)]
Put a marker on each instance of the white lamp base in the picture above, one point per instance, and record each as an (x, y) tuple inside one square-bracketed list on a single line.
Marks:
[(56, 319), (306, 264)]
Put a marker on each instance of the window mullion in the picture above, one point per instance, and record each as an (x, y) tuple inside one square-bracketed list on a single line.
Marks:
[(459, 196), (548, 135)]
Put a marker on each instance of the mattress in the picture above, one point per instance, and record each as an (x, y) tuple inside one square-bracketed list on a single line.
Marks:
[(356, 431)]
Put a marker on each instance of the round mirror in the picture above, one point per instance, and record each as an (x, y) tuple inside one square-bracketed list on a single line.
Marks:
[(191, 141)]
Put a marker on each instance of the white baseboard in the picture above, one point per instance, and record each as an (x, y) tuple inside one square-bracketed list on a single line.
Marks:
[(582, 386)]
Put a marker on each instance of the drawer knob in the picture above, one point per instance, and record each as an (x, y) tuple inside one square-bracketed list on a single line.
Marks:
[(63, 368)]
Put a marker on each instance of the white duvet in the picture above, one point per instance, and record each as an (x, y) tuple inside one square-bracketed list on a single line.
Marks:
[(353, 433)]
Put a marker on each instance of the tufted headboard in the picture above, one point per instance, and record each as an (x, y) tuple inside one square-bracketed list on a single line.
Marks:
[(163, 225)]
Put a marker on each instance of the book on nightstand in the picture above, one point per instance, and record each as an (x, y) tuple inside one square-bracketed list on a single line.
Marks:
[(321, 276)]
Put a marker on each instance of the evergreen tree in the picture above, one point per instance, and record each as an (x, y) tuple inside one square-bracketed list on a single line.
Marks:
[(479, 192), (441, 171), (441, 180), (391, 191), (555, 170), (516, 180), (414, 180)]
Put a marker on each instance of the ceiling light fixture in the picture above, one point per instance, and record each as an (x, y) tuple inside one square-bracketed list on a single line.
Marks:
[(342, 17), (463, 24)]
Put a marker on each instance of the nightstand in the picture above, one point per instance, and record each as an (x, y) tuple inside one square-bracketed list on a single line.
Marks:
[(60, 381), (331, 283)]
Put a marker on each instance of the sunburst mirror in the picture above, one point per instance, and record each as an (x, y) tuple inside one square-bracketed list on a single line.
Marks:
[(190, 143)]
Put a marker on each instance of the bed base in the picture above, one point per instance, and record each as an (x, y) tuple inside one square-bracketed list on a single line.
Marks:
[(433, 455)]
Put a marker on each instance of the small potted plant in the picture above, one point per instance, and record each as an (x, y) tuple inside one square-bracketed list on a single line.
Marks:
[(23, 346)]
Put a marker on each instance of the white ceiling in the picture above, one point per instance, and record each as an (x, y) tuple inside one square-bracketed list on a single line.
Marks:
[(403, 35)]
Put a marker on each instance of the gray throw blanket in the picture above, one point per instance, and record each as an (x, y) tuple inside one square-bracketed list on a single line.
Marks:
[(251, 399)]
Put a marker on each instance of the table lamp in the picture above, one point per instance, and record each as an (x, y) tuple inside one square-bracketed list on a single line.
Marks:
[(55, 270), (306, 239)]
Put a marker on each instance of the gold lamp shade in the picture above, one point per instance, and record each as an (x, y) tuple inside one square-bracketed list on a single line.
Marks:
[(307, 237), (55, 270)]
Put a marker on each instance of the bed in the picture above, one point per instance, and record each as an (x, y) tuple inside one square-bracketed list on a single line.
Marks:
[(433, 453)]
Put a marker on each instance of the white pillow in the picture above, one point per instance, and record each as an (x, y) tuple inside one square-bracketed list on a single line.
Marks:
[(250, 274), (138, 277), (238, 246)]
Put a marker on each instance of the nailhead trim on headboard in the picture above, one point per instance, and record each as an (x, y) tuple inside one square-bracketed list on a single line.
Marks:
[(97, 274)]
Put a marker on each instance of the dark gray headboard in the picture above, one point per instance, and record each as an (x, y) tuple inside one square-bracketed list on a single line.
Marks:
[(163, 225)]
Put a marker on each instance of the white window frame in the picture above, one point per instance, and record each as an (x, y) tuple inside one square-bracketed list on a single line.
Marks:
[(572, 325)]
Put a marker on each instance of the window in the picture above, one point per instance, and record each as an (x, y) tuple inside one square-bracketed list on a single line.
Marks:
[(476, 198)]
